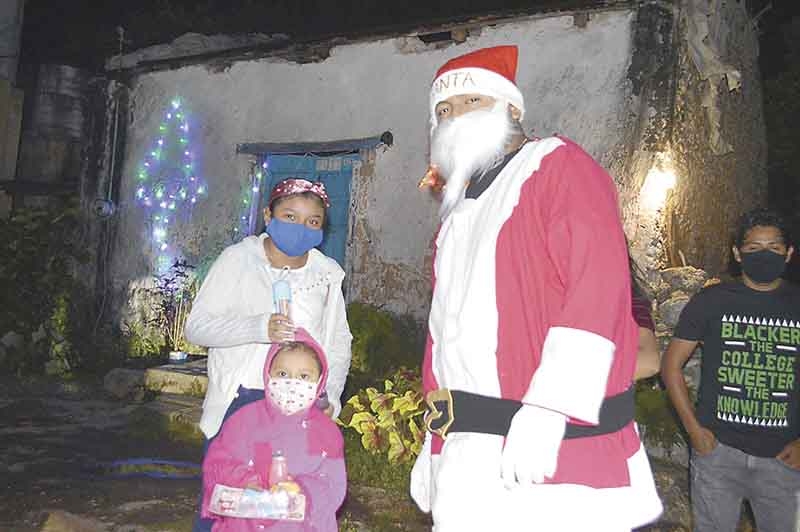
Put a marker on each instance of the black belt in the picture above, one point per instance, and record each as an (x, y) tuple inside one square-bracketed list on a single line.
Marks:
[(457, 411)]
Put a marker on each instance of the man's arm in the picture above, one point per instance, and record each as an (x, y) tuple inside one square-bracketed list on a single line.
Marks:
[(790, 455), (420, 486), (575, 204), (648, 357), (678, 352), (588, 255)]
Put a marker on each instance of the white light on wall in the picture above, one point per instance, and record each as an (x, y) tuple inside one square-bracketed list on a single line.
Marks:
[(659, 181)]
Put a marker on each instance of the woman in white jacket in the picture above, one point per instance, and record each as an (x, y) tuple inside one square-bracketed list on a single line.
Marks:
[(233, 313)]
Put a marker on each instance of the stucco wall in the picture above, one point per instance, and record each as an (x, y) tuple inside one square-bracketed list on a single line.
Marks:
[(573, 74), (715, 186)]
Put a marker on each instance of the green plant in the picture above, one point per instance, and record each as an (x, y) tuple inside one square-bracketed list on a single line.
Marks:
[(365, 468), (172, 297), (140, 341), (389, 421), (346, 524), (654, 414), (41, 303), (382, 341)]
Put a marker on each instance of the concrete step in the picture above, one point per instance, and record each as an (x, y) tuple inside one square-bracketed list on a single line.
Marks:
[(189, 378), (179, 390), (176, 412), (180, 400)]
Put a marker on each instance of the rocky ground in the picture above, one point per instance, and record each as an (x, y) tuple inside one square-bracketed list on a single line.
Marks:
[(56, 447), (59, 444), (59, 448)]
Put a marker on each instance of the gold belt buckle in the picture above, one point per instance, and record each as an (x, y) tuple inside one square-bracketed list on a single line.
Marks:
[(435, 413)]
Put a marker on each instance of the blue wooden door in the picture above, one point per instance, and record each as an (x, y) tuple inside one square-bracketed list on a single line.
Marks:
[(336, 173)]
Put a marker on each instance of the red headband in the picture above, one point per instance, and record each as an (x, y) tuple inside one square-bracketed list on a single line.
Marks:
[(290, 187)]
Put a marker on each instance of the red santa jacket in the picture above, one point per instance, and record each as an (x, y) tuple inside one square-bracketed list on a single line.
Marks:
[(563, 298)]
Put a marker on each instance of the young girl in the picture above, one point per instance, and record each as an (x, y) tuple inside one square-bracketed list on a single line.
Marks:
[(233, 313), (285, 422)]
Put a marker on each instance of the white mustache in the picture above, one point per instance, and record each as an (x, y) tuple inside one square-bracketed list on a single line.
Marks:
[(467, 145)]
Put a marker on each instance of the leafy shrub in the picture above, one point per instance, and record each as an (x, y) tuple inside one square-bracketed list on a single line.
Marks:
[(161, 307), (389, 421), (40, 301), (172, 298), (383, 417), (365, 468), (656, 418), (141, 342), (382, 341)]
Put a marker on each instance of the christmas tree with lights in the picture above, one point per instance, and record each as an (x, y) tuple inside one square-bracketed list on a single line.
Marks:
[(167, 185)]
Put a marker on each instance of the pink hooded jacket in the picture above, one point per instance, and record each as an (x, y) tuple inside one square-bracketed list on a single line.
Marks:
[(241, 454)]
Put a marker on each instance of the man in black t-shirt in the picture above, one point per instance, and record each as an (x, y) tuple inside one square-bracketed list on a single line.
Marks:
[(745, 433)]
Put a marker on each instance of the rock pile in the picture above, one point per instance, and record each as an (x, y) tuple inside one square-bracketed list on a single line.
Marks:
[(671, 291)]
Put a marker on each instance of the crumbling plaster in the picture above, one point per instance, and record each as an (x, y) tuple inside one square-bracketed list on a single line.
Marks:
[(574, 78), (714, 188)]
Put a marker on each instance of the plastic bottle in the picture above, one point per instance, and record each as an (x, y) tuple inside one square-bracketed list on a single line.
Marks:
[(278, 469), (282, 297)]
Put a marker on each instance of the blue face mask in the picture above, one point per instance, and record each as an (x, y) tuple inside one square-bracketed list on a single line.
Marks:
[(291, 239)]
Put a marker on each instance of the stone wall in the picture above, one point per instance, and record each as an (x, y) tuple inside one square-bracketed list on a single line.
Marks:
[(718, 140), (370, 278), (671, 290)]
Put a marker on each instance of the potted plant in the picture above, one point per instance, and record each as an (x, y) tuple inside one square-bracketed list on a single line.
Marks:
[(174, 293)]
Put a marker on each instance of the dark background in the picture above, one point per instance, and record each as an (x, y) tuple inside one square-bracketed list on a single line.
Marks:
[(83, 32)]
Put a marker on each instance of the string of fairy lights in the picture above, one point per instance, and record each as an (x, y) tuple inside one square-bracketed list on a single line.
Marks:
[(248, 218), (167, 185)]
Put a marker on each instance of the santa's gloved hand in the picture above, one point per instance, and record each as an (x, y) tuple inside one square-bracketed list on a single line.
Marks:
[(531, 451), (421, 477)]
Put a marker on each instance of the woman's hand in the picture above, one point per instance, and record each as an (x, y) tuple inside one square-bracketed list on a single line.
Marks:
[(281, 329)]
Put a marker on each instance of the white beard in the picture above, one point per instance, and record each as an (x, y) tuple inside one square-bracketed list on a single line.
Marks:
[(469, 145)]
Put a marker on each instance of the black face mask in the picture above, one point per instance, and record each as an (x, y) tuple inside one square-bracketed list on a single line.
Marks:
[(763, 266)]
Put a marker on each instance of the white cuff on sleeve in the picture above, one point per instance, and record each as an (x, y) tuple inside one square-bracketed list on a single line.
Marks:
[(573, 373)]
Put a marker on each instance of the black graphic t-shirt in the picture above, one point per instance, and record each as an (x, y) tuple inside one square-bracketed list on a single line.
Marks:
[(749, 396)]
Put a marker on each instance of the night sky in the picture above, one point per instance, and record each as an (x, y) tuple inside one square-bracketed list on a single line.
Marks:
[(83, 32), (775, 34)]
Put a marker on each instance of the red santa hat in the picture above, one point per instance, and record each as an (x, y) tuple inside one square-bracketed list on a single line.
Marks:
[(488, 71)]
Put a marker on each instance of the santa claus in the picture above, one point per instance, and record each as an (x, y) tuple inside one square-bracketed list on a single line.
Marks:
[(531, 349)]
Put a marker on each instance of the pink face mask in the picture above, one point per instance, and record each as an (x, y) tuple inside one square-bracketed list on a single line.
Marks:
[(291, 395)]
